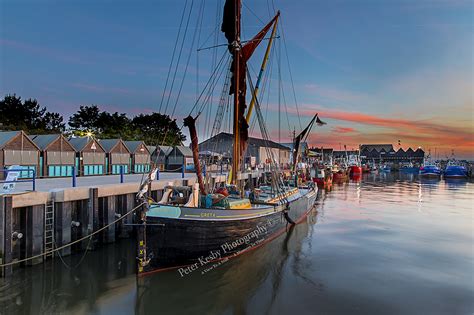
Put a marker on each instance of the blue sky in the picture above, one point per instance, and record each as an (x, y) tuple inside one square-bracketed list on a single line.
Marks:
[(376, 71)]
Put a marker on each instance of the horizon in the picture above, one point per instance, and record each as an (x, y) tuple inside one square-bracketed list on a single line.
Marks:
[(376, 73)]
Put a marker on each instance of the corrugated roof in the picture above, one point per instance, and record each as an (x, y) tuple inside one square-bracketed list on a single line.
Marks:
[(252, 141), (6, 136), (42, 141)]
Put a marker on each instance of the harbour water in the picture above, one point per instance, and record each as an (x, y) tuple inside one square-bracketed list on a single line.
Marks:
[(388, 244)]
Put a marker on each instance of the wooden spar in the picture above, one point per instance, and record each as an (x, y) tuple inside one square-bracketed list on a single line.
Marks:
[(236, 44), (190, 122), (262, 69)]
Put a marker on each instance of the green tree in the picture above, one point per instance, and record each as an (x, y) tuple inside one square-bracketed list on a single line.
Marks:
[(28, 115), (155, 127), (85, 119)]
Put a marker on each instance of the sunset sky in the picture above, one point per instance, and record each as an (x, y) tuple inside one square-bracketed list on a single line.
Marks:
[(375, 71)]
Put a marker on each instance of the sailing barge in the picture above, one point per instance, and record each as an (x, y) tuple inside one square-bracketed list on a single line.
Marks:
[(192, 227)]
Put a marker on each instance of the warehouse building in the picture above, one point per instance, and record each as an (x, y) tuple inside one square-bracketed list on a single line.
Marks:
[(179, 156)]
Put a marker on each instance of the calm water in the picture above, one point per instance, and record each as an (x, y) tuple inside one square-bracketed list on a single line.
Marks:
[(386, 245)]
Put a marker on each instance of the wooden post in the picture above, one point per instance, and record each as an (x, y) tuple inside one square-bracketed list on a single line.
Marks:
[(106, 216), (62, 222), (34, 233), (92, 215), (6, 234)]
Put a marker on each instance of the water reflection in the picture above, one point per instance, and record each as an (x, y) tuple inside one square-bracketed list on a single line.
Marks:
[(386, 244)]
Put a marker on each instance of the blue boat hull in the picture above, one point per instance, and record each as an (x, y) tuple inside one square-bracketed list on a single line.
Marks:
[(430, 171), (413, 170), (455, 171)]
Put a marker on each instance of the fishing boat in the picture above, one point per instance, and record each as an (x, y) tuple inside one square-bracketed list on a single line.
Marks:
[(454, 169), (354, 166), (191, 227), (385, 168), (429, 169), (409, 168)]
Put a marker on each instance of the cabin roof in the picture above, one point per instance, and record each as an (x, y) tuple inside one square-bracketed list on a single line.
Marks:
[(6, 136), (133, 145), (43, 141), (80, 143), (109, 144), (184, 150)]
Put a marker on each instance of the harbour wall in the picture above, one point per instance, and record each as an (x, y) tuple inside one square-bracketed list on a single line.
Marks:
[(34, 223)]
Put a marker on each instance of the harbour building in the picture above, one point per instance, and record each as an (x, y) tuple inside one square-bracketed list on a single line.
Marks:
[(139, 156), (16, 148), (117, 156), (90, 156), (57, 155)]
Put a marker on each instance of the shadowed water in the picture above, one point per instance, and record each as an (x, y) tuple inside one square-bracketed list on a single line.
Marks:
[(390, 244)]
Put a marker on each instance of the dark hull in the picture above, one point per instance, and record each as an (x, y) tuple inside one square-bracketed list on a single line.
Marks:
[(195, 243)]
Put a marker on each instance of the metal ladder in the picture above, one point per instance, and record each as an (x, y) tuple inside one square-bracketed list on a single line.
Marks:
[(49, 228)]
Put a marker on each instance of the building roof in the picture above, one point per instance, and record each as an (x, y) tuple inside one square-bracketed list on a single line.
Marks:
[(378, 147), (6, 136), (133, 145), (80, 143), (252, 141), (109, 144), (43, 141), (186, 151), (166, 149)]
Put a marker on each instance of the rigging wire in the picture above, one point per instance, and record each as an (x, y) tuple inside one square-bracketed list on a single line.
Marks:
[(179, 56), (173, 55)]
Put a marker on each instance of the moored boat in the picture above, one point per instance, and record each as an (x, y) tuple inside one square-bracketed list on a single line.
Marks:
[(455, 170), (192, 227), (429, 169)]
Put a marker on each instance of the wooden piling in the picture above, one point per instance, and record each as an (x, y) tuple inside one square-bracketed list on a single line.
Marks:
[(6, 208), (34, 237), (63, 229)]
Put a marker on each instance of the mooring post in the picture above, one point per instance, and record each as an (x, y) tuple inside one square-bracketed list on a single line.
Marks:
[(73, 176), (64, 225), (92, 215), (182, 171), (34, 233), (107, 216), (222, 168), (157, 174), (6, 208), (121, 174)]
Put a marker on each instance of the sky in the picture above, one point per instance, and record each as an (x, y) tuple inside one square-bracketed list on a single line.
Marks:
[(375, 71)]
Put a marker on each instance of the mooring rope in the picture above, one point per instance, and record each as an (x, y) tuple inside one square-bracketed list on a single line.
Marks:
[(72, 243)]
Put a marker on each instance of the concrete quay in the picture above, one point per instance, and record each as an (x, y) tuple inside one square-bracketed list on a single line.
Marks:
[(35, 222)]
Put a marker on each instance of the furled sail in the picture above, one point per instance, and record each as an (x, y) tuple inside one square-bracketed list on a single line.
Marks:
[(231, 29), (298, 138)]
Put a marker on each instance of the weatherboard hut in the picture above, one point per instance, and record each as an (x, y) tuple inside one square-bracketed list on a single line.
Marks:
[(57, 155), (16, 148), (90, 156), (179, 156), (117, 156), (140, 156)]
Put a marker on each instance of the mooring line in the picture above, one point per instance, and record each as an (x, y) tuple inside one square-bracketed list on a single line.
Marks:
[(72, 243)]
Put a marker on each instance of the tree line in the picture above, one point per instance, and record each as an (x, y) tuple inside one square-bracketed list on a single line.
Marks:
[(30, 116)]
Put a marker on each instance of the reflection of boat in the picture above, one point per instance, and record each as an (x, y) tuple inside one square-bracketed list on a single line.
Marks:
[(190, 227), (227, 286), (455, 170), (385, 168)]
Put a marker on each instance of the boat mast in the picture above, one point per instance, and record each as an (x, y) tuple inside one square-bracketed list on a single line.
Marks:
[(236, 51)]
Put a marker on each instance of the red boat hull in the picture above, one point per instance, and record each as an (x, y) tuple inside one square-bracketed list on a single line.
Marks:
[(355, 170)]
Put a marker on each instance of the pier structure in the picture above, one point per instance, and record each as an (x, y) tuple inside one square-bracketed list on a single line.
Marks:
[(35, 223)]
